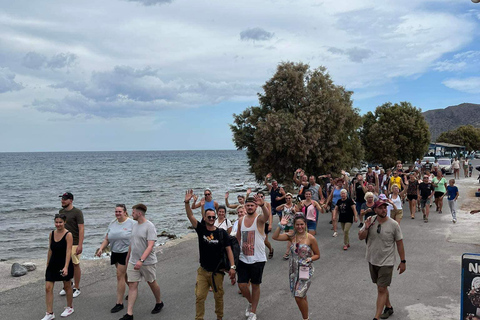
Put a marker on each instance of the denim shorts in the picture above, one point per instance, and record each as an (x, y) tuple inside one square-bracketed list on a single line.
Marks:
[(311, 225)]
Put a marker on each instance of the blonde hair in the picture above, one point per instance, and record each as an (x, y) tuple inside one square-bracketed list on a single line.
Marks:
[(344, 191), (393, 186), (240, 207), (369, 194)]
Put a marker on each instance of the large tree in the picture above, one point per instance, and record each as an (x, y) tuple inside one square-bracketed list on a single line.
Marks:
[(467, 136), (394, 132), (303, 121)]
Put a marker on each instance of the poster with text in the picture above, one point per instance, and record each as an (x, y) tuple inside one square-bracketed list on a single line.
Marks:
[(470, 301)]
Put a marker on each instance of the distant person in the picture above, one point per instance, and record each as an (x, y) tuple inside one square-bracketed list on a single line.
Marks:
[(470, 168), (359, 189), (316, 189), (452, 196), (367, 207), (288, 212), (59, 266), (382, 234), (303, 251), (251, 236), (395, 207), (426, 191), (142, 260), (396, 180), (75, 224), (418, 165), (465, 167), (268, 223), (456, 168), (440, 184), (222, 222), (301, 181), (240, 213), (118, 236), (310, 209), (427, 166), (370, 176), (412, 194), (277, 194), (240, 199), (206, 202), (346, 212), (212, 243)]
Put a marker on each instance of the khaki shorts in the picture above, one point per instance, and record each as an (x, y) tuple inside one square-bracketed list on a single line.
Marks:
[(394, 214), (75, 257), (146, 272), (382, 276)]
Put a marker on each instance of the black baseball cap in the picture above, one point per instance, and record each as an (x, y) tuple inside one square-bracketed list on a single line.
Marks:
[(66, 196)]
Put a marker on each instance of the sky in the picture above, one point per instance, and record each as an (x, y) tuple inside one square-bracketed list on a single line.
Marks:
[(116, 75)]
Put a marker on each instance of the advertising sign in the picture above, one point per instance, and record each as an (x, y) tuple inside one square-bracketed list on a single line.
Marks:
[(470, 301)]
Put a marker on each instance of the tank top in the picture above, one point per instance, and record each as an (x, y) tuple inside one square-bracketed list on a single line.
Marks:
[(310, 212), (397, 202), (209, 205), (314, 189), (336, 196), (252, 244)]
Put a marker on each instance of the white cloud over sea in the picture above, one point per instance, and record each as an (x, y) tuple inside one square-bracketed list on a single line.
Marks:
[(120, 59)]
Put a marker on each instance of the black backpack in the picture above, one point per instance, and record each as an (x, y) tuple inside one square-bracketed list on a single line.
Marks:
[(235, 246)]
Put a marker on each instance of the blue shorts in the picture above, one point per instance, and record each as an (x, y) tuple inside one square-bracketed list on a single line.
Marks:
[(311, 225)]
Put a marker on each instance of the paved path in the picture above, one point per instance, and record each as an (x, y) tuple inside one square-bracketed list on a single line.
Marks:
[(341, 287)]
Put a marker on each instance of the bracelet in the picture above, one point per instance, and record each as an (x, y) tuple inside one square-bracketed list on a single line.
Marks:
[(281, 226), (186, 201)]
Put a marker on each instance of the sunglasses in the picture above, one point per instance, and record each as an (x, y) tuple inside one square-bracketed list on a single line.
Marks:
[(121, 205), (211, 217), (379, 228), (208, 194)]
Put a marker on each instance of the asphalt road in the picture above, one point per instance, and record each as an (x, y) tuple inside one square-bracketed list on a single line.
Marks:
[(341, 286)]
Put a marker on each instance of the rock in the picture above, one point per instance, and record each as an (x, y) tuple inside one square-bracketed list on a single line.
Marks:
[(168, 235), (18, 270), (30, 266)]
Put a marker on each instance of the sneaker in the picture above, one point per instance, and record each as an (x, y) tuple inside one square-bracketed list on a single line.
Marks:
[(62, 293), (426, 220), (252, 316), (360, 225), (345, 247), (76, 292), (248, 310), (49, 316), (158, 307), (335, 234), (127, 317), (387, 312), (330, 222), (454, 220), (424, 216), (68, 311), (117, 308), (440, 211)]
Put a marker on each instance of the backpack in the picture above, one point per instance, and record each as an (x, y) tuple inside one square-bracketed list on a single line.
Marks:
[(235, 246)]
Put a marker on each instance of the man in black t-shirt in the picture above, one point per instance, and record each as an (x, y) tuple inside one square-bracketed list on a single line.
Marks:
[(426, 191), (211, 249)]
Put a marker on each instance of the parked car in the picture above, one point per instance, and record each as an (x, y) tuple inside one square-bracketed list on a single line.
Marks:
[(445, 164), (430, 159), (477, 155)]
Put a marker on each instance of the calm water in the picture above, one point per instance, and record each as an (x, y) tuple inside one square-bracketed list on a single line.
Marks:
[(30, 184)]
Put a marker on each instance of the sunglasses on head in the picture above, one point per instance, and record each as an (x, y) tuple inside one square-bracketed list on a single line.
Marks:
[(121, 205)]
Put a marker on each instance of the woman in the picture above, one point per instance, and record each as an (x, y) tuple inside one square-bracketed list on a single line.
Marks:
[(333, 197), (395, 210), (240, 213), (347, 214), (412, 194), (367, 207), (59, 266), (456, 168), (288, 212), (118, 236), (222, 222), (303, 251), (440, 184), (310, 208)]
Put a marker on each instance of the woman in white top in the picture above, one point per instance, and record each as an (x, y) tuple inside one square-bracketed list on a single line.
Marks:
[(240, 213), (222, 222), (456, 168), (395, 210), (118, 236)]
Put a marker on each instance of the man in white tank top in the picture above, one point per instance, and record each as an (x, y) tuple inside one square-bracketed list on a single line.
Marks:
[(251, 237)]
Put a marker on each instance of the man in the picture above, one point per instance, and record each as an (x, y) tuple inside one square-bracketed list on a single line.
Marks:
[(74, 224), (142, 260), (211, 248), (277, 195), (395, 180), (427, 166), (251, 237), (426, 191), (359, 189), (317, 192), (381, 240)]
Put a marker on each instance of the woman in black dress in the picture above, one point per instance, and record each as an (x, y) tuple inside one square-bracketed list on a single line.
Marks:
[(59, 266)]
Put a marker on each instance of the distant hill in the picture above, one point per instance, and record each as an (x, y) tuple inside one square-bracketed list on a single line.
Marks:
[(441, 120)]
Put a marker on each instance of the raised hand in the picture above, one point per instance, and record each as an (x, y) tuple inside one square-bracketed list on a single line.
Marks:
[(249, 190), (188, 195), (227, 194), (284, 221), (202, 201), (269, 175), (259, 200), (195, 198)]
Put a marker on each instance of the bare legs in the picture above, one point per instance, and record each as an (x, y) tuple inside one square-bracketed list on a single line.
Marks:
[(67, 285), (413, 207), (302, 304), (121, 281), (383, 300), (77, 273), (155, 290), (252, 297)]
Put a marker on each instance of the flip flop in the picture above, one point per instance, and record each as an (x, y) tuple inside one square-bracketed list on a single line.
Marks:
[(270, 255), (286, 256)]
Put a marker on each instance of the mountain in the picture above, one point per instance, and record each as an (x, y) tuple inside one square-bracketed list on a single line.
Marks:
[(441, 120)]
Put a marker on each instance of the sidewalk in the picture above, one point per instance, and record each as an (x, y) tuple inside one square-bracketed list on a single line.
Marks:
[(341, 287)]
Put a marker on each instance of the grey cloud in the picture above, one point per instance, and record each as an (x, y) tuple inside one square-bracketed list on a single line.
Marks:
[(354, 54), (7, 81), (34, 60), (256, 34), (126, 91), (151, 2)]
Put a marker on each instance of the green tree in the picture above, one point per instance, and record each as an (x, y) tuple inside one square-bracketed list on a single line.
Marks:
[(303, 121), (394, 132), (467, 136)]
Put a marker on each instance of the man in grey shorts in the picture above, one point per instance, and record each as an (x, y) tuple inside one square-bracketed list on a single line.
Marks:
[(382, 233), (142, 260)]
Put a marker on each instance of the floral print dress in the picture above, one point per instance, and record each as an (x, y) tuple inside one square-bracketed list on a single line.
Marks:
[(298, 255)]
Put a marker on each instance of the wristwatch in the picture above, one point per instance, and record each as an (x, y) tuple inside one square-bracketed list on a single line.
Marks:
[(234, 267), (403, 261), (142, 261)]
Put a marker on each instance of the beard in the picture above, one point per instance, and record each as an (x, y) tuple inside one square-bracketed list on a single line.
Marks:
[(64, 206)]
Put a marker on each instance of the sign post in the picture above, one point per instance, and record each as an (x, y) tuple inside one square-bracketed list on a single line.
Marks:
[(470, 301)]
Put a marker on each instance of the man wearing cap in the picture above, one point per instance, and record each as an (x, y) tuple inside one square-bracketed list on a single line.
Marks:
[(381, 234), (75, 225), (142, 260)]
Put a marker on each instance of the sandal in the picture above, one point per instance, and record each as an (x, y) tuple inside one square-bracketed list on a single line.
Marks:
[(270, 255), (286, 256)]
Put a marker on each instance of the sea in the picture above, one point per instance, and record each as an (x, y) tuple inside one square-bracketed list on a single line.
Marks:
[(31, 183)]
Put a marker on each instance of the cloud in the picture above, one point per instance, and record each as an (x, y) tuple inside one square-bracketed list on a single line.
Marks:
[(355, 54), (34, 60), (468, 60), (151, 2), (126, 91), (7, 81), (468, 85), (256, 34)]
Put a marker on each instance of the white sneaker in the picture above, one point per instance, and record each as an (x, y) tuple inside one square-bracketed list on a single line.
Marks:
[(252, 316), (49, 316), (454, 220), (76, 292), (62, 293), (68, 311), (248, 310), (335, 234)]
